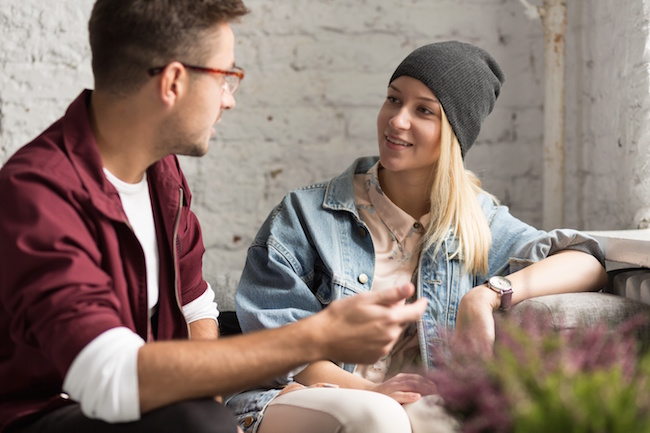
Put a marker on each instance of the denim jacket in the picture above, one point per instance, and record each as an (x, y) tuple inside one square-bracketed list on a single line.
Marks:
[(314, 249)]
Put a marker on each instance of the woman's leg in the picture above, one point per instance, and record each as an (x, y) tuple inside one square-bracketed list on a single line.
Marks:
[(427, 415), (334, 410)]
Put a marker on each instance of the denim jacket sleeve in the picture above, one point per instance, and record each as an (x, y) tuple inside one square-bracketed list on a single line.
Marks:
[(278, 284), (516, 244)]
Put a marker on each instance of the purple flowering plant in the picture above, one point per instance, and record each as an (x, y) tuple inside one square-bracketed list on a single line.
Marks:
[(591, 379)]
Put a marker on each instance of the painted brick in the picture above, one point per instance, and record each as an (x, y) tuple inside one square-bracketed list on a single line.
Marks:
[(317, 71)]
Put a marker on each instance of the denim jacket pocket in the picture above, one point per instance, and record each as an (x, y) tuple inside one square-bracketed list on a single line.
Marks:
[(323, 287)]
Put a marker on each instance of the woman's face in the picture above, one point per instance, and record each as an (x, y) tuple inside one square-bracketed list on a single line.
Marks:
[(408, 127)]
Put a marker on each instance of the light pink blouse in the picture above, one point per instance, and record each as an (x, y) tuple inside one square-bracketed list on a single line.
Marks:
[(396, 236)]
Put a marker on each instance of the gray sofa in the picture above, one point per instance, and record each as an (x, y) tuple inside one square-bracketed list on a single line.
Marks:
[(626, 295)]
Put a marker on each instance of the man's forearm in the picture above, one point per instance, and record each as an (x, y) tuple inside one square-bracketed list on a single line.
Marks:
[(358, 329), (179, 370), (204, 329)]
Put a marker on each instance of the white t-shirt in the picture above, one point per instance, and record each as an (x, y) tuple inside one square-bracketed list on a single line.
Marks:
[(103, 377)]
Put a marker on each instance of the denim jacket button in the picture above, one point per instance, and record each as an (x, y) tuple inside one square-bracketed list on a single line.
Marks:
[(362, 232), (363, 278), (248, 421)]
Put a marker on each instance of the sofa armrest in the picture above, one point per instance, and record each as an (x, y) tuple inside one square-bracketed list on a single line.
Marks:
[(571, 310)]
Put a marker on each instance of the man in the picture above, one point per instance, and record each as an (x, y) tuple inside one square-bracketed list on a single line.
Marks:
[(101, 256)]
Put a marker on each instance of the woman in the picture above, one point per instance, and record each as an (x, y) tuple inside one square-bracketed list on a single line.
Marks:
[(414, 214)]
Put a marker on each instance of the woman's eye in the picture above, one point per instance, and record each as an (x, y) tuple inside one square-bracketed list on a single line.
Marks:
[(425, 110), (392, 99)]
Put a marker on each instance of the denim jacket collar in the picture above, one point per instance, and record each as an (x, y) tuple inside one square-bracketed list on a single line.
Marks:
[(339, 194)]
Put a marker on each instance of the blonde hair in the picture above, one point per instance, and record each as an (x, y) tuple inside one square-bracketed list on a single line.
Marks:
[(455, 206)]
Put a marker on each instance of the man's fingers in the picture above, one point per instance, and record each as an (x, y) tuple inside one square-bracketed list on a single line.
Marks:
[(412, 312), (394, 295)]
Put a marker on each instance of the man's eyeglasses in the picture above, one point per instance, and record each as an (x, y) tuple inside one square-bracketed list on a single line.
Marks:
[(233, 76)]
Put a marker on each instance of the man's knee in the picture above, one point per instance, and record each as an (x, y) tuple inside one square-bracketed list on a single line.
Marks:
[(199, 416)]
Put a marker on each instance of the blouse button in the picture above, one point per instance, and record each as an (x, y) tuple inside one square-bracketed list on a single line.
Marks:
[(363, 278), (362, 232)]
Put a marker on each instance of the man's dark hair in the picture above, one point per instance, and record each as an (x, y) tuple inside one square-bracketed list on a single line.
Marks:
[(127, 37)]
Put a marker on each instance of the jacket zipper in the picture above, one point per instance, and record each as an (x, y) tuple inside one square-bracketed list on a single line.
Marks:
[(424, 349), (176, 259), (146, 293)]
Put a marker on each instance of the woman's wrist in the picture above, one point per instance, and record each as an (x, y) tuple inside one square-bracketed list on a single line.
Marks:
[(484, 295)]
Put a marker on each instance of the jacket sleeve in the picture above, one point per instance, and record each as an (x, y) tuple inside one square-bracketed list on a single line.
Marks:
[(275, 288), (51, 276), (190, 248), (516, 244)]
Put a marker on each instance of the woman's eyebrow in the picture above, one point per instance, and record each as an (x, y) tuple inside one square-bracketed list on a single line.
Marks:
[(423, 98), (394, 88)]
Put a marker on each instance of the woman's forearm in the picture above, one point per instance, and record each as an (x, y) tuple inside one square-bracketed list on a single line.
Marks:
[(564, 272), (328, 372)]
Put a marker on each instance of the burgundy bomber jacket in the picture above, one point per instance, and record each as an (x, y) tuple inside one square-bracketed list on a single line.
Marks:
[(72, 268)]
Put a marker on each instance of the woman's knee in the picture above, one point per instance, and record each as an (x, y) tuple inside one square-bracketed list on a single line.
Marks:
[(356, 411), (377, 413)]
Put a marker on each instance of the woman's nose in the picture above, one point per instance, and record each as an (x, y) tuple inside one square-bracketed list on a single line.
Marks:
[(401, 119)]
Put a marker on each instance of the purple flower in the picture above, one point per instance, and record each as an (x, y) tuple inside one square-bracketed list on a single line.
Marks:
[(541, 376)]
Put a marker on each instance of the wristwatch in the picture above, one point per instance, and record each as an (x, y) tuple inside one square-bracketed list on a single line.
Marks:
[(502, 286)]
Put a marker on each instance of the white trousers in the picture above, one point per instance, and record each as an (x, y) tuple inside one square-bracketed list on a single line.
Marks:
[(340, 410)]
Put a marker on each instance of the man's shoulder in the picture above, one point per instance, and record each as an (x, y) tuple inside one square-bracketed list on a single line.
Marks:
[(42, 158)]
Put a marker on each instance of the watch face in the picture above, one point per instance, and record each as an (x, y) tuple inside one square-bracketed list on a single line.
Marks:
[(500, 283)]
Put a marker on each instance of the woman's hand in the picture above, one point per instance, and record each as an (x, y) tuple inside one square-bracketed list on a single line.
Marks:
[(475, 331), (406, 388)]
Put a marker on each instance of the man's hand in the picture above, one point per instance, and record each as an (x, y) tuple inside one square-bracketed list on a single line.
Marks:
[(363, 328)]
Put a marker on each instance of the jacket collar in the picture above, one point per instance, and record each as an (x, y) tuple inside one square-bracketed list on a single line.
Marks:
[(339, 194), (82, 149)]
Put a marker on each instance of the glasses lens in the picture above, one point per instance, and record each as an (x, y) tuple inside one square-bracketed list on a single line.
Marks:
[(232, 83)]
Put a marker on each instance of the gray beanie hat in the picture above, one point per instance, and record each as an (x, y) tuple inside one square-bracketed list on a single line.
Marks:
[(465, 79)]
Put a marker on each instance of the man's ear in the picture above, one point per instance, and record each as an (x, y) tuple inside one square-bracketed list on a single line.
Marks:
[(173, 83)]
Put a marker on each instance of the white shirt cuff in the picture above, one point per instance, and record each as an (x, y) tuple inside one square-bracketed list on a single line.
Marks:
[(202, 307), (103, 377)]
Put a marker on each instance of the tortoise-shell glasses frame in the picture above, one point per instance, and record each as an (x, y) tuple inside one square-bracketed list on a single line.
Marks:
[(232, 77)]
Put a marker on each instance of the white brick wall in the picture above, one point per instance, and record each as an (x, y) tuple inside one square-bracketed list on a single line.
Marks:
[(608, 113), (316, 75)]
